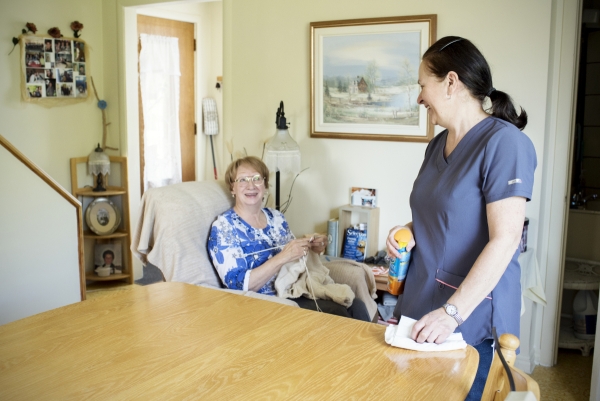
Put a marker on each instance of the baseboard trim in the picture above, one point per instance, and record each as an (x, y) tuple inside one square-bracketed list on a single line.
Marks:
[(525, 362)]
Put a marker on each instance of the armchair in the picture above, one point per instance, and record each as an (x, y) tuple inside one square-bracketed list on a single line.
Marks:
[(172, 233)]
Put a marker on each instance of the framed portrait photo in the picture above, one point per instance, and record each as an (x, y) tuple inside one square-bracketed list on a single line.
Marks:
[(364, 75), (102, 216), (109, 255)]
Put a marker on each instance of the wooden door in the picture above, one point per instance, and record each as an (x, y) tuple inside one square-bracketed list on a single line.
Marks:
[(187, 121)]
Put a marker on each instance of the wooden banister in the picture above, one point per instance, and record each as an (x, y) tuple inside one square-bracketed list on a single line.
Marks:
[(64, 194)]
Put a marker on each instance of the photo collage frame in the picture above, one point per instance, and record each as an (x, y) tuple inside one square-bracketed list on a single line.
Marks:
[(54, 68)]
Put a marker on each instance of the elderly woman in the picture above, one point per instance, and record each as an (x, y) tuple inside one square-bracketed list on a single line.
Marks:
[(468, 206), (249, 244)]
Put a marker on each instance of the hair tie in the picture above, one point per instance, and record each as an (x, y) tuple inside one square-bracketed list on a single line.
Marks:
[(449, 43), (491, 91)]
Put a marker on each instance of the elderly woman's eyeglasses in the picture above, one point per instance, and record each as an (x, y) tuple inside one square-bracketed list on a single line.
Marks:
[(257, 180)]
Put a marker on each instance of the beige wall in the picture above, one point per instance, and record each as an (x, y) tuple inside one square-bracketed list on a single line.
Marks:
[(50, 136), (267, 58)]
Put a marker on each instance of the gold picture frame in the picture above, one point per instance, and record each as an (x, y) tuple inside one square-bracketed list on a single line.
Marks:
[(364, 76)]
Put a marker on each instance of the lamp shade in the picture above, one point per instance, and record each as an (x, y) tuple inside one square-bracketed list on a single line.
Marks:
[(282, 153), (98, 162)]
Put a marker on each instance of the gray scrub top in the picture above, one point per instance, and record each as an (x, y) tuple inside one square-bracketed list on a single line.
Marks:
[(493, 161)]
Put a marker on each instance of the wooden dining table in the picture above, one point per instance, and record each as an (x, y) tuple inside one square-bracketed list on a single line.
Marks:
[(180, 341)]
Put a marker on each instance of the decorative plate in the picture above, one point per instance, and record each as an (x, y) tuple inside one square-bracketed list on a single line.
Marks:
[(102, 216)]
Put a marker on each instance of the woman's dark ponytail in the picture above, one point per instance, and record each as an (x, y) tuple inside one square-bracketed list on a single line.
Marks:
[(453, 53), (503, 108)]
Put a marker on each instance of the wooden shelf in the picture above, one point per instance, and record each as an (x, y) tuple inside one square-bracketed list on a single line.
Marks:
[(111, 191), (122, 236), (567, 339), (351, 214), (112, 277), (105, 285), (581, 274), (116, 234)]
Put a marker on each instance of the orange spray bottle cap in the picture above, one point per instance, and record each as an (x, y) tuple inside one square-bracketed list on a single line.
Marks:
[(402, 237)]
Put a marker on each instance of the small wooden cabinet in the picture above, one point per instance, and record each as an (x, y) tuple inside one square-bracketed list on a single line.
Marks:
[(350, 215), (117, 192)]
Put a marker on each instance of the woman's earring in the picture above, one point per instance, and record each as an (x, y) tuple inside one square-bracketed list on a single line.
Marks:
[(233, 195), (448, 96)]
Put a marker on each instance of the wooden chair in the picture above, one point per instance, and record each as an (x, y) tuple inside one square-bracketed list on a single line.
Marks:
[(497, 386)]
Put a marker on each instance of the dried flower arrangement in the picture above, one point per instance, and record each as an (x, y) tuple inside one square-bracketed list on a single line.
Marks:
[(55, 33), (76, 26), (29, 27)]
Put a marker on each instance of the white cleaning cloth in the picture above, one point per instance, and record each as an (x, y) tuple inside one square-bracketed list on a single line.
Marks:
[(399, 336)]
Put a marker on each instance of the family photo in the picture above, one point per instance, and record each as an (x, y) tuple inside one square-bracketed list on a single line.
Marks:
[(62, 46), (64, 75), (50, 88), (108, 255), (34, 75), (34, 59), (66, 90), (81, 85), (34, 90)]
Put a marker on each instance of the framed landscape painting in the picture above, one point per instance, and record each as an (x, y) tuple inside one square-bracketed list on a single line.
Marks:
[(364, 75)]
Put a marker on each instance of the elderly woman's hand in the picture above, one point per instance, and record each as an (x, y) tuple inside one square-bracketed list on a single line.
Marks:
[(318, 243), (295, 249), (434, 327), (392, 245)]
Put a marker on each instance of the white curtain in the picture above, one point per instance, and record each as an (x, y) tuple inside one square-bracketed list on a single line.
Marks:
[(159, 82)]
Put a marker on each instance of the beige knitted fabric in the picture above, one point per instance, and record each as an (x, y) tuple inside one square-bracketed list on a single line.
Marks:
[(360, 278), (294, 282)]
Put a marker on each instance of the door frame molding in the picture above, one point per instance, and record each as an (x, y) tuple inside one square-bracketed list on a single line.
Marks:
[(126, 14), (558, 149)]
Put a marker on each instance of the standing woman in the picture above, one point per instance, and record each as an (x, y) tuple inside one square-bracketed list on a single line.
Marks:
[(468, 206)]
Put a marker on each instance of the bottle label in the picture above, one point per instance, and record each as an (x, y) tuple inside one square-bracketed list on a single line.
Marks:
[(397, 273)]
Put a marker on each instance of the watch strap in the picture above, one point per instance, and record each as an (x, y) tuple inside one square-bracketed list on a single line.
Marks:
[(456, 316)]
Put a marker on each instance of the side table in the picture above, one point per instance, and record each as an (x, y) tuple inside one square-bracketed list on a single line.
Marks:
[(381, 282)]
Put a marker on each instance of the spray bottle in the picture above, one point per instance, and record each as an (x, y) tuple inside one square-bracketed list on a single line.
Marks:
[(399, 267)]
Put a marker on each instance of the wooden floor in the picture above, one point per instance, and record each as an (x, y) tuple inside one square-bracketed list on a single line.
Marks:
[(568, 380)]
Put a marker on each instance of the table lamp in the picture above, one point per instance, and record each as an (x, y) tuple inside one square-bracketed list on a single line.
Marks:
[(99, 165), (282, 153)]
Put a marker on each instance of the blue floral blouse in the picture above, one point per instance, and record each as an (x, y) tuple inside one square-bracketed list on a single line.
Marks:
[(234, 247)]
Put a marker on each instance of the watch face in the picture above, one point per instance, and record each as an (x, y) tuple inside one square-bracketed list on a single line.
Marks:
[(451, 309)]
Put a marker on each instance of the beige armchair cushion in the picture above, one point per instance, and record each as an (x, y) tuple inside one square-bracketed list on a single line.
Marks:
[(173, 229)]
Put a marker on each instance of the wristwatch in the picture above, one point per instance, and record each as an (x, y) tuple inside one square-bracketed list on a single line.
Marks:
[(453, 311)]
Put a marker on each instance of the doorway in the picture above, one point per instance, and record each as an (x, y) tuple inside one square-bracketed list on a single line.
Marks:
[(583, 228), (207, 19), (184, 32)]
